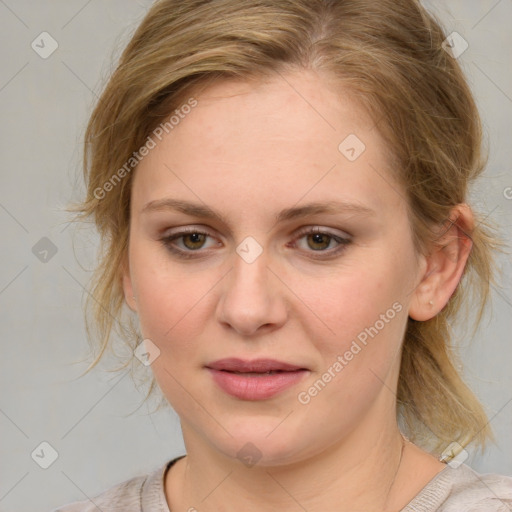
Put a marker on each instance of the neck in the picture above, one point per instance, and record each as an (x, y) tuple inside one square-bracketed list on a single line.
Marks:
[(354, 474)]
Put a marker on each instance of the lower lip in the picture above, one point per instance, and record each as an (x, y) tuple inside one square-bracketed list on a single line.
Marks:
[(259, 387)]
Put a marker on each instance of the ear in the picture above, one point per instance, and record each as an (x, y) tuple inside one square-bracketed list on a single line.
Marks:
[(445, 264), (127, 285)]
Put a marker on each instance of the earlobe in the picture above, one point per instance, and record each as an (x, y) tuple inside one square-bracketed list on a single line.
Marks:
[(444, 265)]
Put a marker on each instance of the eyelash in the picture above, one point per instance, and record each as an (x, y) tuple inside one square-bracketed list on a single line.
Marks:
[(187, 254)]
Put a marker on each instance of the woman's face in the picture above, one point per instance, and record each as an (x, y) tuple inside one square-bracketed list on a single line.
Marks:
[(326, 289)]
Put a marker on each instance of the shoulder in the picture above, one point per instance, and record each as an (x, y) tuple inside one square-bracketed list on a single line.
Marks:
[(461, 488), (143, 492), (123, 496)]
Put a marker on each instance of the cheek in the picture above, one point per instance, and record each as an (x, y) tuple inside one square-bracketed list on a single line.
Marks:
[(170, 300), (359, 314), (357, 366), (349, 299), (172, 312)]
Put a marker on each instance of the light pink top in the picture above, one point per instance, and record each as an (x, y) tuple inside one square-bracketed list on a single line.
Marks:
[(458, 489)]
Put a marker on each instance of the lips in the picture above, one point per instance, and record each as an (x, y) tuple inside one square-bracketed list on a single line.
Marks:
[(259, 379), (235, 365)]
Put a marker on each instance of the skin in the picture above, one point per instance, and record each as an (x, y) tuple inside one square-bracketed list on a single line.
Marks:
[(249, 151)]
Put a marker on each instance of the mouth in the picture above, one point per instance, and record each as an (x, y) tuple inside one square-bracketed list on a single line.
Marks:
[(254, 374), (259, 379), (257, 366)]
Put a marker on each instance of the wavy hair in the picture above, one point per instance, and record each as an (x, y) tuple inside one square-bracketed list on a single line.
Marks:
[(389, 55)]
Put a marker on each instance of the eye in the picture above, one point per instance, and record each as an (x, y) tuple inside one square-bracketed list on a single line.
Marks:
[(319, 240), (193, 239)]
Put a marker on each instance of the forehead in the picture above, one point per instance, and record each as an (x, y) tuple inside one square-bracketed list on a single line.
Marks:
[(276, 140), (283, 108)]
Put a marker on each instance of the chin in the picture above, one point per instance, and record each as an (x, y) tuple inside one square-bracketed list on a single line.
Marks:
[(260, 443)]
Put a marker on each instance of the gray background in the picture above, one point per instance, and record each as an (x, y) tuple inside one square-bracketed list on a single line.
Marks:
[(88, 420)]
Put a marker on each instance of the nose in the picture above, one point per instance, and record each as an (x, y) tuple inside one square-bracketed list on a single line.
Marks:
[(253, 298)]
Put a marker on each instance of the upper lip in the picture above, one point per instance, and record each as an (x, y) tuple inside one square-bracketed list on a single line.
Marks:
[(233, 364)]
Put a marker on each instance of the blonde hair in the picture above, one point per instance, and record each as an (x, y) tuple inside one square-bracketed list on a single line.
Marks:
[(389, 54)]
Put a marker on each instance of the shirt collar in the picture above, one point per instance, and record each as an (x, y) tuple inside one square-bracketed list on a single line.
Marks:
[(152, 497)]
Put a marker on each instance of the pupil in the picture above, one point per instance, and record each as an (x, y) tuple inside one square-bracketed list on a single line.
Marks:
[(194, 239), (318, 238)]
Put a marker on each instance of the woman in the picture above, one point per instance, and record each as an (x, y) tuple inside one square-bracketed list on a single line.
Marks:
[(281, 189)]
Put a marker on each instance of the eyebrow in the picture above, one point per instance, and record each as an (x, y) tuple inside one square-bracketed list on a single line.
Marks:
[(201, 210)]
